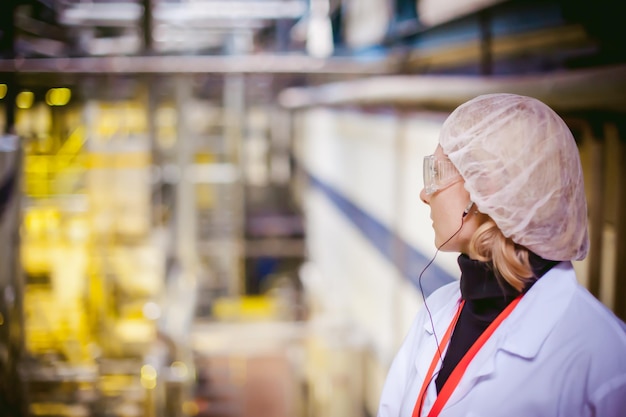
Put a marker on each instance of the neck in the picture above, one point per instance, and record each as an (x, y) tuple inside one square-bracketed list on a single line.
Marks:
[(485, 293)]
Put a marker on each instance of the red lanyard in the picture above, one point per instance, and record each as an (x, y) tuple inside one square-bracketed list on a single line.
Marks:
[(458, 372)]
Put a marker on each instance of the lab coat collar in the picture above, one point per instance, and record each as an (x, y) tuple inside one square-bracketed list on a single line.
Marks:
[(521, 334), (526, 329), (441, 318)]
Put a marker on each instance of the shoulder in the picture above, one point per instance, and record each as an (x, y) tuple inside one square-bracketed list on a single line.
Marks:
[(588, 330), (559, 295), (559, 311), (598, 342), (601, 333), (584, 313), (570, 338)]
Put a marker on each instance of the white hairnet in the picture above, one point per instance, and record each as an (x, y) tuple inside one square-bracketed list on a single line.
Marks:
[(521, 167)]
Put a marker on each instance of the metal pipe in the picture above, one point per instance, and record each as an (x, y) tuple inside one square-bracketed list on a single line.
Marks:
[(598, 89), (125, 14), (148, 24), (155, 150), (7, 50), (7, 36), (239, 64), (234, 109), (593, 132), (186, 226), (11, 277), (619, 295), (9, 106), (486, 44)]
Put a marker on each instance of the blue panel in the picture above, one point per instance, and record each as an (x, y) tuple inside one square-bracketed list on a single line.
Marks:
[(406, 258), (504, 19), (461, 31), (526, 18)]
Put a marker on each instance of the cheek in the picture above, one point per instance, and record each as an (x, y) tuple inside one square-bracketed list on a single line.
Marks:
[(445, 214), (446, 221), (442, 223)]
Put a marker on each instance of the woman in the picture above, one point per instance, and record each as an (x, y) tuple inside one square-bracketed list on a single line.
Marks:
[(516, 336)]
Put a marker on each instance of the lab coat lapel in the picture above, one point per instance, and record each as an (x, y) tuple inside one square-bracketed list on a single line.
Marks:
[(441, 320), (483, 365)]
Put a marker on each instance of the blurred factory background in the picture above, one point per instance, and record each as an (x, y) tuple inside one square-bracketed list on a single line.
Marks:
[(210, 207)]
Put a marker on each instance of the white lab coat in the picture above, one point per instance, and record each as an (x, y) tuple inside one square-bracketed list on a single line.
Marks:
[(559, 353)]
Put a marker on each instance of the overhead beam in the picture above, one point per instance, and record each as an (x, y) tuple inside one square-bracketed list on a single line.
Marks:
[(125, 14), (575, 90), (245, 64)]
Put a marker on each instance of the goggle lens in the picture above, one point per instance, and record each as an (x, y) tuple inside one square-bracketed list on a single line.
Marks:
[(438, 173)]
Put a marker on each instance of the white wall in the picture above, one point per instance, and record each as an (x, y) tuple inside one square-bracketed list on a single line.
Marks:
[(354, 153), (374, 161)]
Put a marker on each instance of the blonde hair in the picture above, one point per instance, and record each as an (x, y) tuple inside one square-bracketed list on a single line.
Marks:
[(510, 260)]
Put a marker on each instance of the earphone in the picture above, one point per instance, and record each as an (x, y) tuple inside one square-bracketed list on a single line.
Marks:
[(467, 208)]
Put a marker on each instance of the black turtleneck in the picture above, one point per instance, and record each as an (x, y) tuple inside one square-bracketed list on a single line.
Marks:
[(485, 297)]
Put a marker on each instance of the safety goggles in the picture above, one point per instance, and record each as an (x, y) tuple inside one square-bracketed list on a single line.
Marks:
[(439, 172)]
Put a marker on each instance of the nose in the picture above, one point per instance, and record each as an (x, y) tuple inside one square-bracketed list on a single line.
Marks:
[(425, 198)]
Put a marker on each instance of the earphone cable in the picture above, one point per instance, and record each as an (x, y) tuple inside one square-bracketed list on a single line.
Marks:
[(419, 281)]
